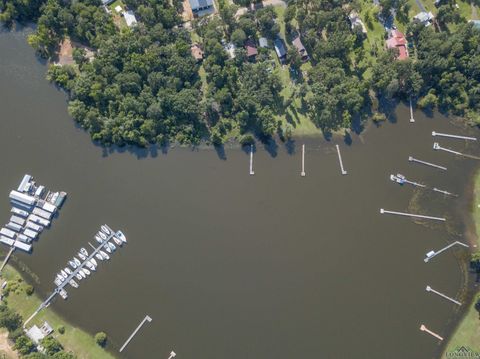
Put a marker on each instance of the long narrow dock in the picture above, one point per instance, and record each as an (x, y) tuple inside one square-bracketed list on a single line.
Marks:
[(436, 146), (340, 160), (7, 258), (411, 111), (411, 159), (423, 328), (147, 318), (303, 161), (444, 192), (384, 211), (433, 254), (453, 136), (430, 289), (251, 161)]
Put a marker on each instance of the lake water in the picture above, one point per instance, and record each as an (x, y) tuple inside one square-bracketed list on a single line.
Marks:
[(232, 266)]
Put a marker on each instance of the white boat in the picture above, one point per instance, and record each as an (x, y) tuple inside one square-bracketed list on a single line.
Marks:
[(82, 257), (72, 264), (86, 271), (94, 262), (63, 293), (73, 283), (82, 273), (105, 229), (107, 248), (90, 265), (105, 255), (64, 274), (112, 246), (68, 270), (57, 281), (84, 251), (77, 262), (98, 239), (122, 237), (99, 256), (117, 240), (102, 235), (59, 276), (79, 277)]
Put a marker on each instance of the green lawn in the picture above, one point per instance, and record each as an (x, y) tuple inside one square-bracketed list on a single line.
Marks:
[(74, 339), (468, 331)]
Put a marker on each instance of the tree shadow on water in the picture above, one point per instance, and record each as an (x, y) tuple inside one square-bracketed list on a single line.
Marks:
[(290, 145), (220, 150)]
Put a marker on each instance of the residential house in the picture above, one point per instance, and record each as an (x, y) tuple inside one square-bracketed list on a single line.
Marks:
[(251, 49), (355, 21), (280, 49), (300, 48), (197, 52), (476, 23), (107, 2), (36, 334), (202, 7), (424, 18), (397, 41)]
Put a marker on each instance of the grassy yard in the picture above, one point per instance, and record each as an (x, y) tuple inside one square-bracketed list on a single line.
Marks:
[(74, 339), (468, 331)]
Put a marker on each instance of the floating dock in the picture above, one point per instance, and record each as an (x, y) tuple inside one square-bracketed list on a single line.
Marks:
[(303, 161), (251, 161), (340, 160), (429, 289), (433, 254), (453, 136), (423, 328), (384, 211), (411, 159), (147, 318)]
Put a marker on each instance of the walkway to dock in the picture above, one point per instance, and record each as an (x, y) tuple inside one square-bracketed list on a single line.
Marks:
[(384, 211), (411, 159), (411, 111), (147, 318), (7, 258), (303, 161), (340, 160), (251, 161)]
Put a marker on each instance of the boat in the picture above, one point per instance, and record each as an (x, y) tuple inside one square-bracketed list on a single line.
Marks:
[(72, 264), (400, 179), (84, 251), (122, 237), (68, 270), (112, 246), (73, 283), (64, 274), (63, 293), (82, 257), (99, 256), (57, 281), (102, 235), (90, 265), (98, 239), (77, 262), (105, 229), (117, 240), (94, 262), (105, 255), (82, 273), (79, 277), (87, 272), (107, 248), (59, 276)]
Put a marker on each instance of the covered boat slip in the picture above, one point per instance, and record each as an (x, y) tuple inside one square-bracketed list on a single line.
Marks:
[(33, 208)]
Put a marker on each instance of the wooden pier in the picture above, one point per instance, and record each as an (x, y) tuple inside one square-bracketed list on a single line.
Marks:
[(411, 159), (453, 136), (147, 318), (411, 111), (251, 161), (384, 211), (303, 161), (423, 328), (436, 146), (7, 258), (433, 254), (444, 192), (340, 160), (429, 289)]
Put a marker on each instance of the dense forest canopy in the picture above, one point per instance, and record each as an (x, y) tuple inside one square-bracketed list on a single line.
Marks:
[(144, 86)]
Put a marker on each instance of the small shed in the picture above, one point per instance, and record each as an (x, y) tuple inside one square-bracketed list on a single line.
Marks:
[(263, 42), (251, 48)]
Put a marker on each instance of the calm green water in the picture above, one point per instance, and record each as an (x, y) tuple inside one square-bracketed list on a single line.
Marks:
[(232, 266)]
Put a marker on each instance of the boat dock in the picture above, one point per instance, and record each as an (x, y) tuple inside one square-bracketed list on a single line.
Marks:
[(340, 160), (147, 318), (429, 289), (251, 161), (303, 161), (423, 328), (411, 159), (7, 257), (436, 146), (384, 211), (172, 355), (433, 254), (453, 136), (411, 111), (401, 179), (444, 192)]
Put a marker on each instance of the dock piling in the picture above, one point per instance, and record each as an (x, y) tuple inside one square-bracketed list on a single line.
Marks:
[(303, 161), (384, 211), (430, 289), (147, 318), (340, 160), (423, 328)]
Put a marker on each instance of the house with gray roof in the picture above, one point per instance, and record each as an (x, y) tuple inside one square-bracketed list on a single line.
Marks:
[(280, 49), (202, 7)]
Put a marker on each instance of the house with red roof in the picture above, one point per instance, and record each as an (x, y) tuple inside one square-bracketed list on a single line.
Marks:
[(251, 49), (397, 40)]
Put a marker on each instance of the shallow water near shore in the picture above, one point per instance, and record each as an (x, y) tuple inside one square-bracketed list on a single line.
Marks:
[(236, 266)]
